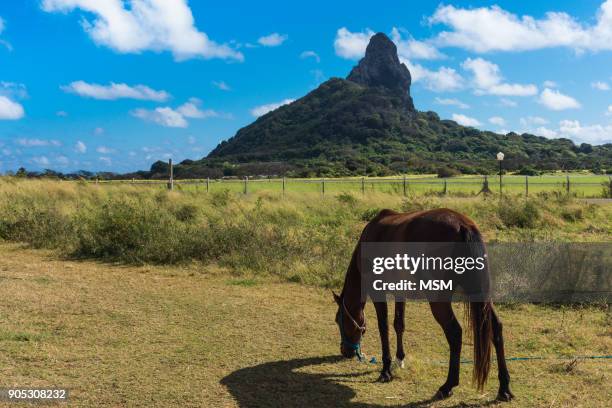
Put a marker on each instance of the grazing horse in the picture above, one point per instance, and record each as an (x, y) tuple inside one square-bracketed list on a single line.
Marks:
[(440, 225)]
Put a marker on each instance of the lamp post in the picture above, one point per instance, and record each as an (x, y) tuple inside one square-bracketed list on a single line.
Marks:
[(500, 158)]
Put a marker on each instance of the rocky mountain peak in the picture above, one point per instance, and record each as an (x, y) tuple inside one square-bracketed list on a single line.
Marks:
[(381, 67)]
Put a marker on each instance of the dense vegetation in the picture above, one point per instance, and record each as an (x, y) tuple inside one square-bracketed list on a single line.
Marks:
[(306, 240), (343, 128)]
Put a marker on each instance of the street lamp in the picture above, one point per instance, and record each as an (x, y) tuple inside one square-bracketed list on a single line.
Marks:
[(500, 158)]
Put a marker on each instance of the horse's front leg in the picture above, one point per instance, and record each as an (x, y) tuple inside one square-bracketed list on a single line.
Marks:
[(383, 328), (398, 325)]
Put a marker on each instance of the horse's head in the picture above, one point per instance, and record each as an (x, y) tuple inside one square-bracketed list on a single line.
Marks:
[(351, 330)]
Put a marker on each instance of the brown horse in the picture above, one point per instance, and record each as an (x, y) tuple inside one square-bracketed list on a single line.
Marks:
[(441, 225)]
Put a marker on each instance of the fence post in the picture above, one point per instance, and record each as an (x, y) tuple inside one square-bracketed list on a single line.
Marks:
[(485, 186), (207, 184), (567, 187), (404, 186), (363, 185), (323, 185), (445, 187), (246, 181), (171, 179), (526, 186), (283, 186)]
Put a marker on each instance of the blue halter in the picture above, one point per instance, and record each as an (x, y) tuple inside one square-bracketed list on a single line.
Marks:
[(345, 341)]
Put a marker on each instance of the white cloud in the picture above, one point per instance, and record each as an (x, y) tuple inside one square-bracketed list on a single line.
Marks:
[(443, 80), (497, 120), (222, 85), (62, 161), (80, 147), (351, 45), (191, 109), (41, 161), (13, 90), (134, 26), (105, 150), (533, 120), (272, 40), (106, 160), (555, 100), (4, 42), (310, 54), (177, 118), (465, 120), (544, 131), (488, 80), (414, 49), (486, 29), (451, 102), (595, 134), (115, 91), (508, 102), (600, 85), (574, 130), (37, 142), (550, 84), (165, 116), (609, 111), (61, 114), (10, 110), (263, 109)]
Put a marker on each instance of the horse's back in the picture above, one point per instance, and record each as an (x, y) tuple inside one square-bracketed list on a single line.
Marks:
[(436, 225)]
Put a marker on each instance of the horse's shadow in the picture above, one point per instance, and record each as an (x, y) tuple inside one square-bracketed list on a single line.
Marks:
[(278, 384)]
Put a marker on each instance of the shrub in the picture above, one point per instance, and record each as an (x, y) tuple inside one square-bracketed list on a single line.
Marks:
[(526, 215), (220, 198), (347, 198), (528, 171), (444, 172), (572, 214)]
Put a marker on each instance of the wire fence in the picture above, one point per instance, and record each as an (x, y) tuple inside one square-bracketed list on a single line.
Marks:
[(587, 186)]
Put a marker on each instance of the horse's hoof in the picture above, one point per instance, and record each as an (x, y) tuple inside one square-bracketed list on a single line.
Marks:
[(504, 395), (400, 363), (443, 394), (385, 377)]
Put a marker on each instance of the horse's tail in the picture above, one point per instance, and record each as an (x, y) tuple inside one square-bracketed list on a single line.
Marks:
[(479, 312)]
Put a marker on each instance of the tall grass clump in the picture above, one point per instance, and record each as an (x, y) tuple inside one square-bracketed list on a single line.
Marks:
[(302, 237), (522, 215)]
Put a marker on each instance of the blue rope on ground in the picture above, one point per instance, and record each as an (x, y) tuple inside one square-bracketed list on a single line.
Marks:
[(546, 358)]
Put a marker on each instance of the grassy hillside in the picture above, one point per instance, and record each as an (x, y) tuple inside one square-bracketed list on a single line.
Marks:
[(343, 128)]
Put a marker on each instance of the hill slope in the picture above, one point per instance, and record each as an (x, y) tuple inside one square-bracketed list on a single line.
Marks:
[(367, 124)]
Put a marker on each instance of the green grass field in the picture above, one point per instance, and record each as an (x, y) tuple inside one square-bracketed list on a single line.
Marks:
[(581, 185)]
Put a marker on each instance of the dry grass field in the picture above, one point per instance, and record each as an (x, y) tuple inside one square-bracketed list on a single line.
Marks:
[(195, 335)]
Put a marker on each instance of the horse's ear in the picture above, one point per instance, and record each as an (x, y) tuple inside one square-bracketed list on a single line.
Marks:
[(336, 298)]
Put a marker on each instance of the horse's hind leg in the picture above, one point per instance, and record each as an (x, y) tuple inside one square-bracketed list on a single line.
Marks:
[(383, 327), (398, 325), (443, 313), (504, 393)]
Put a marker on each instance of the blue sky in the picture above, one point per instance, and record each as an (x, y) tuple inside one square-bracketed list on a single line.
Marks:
[(114, 85)]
